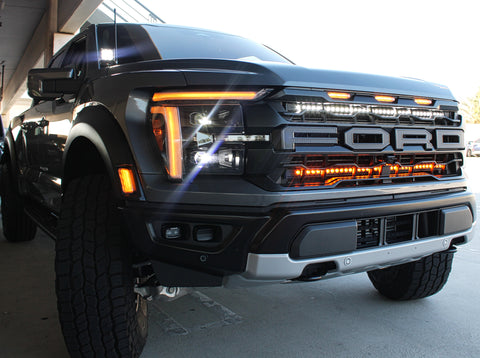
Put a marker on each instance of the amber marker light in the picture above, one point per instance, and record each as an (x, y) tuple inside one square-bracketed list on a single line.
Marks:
[(127, 180), (339, 95), (423, 101), (387, 99), (216, 95)]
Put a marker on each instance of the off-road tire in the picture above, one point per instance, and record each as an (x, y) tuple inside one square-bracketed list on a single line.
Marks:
[(414, 280), (17, 226), (99, 312)]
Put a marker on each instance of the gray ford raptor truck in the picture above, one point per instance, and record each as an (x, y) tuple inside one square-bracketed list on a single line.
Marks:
[(161, 158)]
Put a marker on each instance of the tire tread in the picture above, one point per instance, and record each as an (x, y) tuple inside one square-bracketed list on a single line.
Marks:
[(94, 282), (414, 280)]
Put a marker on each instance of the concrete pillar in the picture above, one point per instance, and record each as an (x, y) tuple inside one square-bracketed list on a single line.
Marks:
[(52, 28), (72, 14)]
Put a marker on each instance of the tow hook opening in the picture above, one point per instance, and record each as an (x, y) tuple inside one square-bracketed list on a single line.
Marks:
[(314, 272)]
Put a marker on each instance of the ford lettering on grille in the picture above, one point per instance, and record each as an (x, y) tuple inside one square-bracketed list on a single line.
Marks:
[(368, 138)]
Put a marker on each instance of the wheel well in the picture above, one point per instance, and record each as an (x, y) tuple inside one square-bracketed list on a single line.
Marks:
[(82, 159)]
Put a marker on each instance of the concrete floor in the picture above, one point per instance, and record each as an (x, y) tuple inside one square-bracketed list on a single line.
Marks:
[(342, 317)]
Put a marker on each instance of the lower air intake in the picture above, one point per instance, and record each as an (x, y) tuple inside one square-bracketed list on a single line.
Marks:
[(392, 230)]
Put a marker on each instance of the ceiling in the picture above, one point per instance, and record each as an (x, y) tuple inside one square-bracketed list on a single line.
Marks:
[(18, 21)]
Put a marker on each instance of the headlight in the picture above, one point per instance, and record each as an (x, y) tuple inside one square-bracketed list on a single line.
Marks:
[(201, 132)]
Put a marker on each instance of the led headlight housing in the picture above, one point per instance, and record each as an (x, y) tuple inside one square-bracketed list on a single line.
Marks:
[(201, 132)]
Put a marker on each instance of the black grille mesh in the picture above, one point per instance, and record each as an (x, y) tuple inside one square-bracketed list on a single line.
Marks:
[(389, 230), (398, 228), (368, 233)]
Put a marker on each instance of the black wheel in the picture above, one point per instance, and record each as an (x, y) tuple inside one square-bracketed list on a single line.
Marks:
[(99, 312), (414, 280), (17, 226)]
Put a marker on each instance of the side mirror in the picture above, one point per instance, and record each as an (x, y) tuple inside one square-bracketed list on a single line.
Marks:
[(48, 83)]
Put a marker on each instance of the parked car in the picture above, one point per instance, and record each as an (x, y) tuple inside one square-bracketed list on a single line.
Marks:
[(163, 157), (473, 148)]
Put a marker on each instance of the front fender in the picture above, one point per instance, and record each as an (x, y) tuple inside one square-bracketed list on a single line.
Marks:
[(10, 153), (95, 125)]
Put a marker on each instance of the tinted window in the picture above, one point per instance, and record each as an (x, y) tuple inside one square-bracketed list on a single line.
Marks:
[(76, 57), (176, 43), (56, 62)]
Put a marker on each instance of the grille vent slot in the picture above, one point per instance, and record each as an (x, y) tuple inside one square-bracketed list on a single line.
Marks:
[(390, 230)]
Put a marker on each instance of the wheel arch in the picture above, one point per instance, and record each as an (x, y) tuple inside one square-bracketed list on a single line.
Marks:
[(9, 149), (96, 145)]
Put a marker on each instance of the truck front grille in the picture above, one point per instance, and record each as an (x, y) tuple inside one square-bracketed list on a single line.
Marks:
[(320, 142), (390, 230)]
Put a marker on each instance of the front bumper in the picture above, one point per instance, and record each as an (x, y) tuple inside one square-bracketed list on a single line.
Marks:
[(277, 243), (263, 268)]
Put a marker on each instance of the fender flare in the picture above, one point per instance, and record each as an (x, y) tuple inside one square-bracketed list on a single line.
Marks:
[(96, 124), (9, 145)]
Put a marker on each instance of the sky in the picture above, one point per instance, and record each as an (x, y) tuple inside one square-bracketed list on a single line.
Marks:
[(437, 41)]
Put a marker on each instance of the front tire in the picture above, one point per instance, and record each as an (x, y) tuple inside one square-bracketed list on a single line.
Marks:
[(17, 226), (99, 312), (414, 280)]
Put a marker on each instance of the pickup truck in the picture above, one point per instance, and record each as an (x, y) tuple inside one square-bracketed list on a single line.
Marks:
[(161, 158)]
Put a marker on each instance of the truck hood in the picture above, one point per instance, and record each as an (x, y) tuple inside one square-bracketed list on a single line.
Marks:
[(207, 72)]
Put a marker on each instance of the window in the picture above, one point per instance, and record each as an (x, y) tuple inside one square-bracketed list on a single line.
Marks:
[(178, 42), (56, 61), (76, 57)]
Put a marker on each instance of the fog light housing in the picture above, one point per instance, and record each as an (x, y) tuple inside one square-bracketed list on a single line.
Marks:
[(207, 233), (174, 232)]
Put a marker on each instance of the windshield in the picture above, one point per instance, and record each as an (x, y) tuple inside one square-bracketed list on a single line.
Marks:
[(181, 43)]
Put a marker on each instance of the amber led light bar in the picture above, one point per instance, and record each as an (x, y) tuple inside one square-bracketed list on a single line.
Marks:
[(334, 174)]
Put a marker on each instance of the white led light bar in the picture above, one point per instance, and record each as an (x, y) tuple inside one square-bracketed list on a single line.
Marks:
[(301, 108), (246, 138)]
